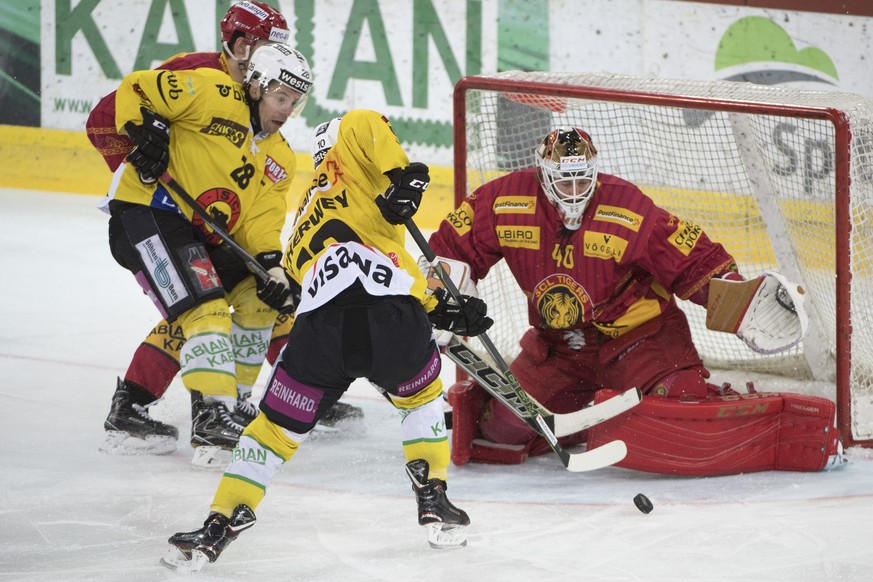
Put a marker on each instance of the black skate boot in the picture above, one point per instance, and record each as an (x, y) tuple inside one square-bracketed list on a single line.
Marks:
[(130, 429), (245, 411), (445, 523), (190, 550), (213, 426), (341, 412)]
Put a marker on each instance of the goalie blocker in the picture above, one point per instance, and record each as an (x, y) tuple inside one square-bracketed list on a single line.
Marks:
[(724, 435)]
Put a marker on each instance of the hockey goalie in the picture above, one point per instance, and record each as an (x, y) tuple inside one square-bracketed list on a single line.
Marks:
[(601, 267)]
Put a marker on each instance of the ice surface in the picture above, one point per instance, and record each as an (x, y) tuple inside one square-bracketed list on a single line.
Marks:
[(342, 510)]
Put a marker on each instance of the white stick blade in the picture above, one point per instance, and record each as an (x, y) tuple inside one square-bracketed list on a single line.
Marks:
[(603, 456), (571, 423)]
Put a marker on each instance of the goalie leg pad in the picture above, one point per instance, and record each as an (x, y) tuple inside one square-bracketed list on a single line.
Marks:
[(723, 435), (467, 400), (509, 441)]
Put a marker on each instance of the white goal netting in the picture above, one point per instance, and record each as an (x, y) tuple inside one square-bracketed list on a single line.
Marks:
[(783, 178)]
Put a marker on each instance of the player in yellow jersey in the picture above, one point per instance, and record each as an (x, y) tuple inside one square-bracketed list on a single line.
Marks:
[(130, 429), (219, 139), (363, 313)]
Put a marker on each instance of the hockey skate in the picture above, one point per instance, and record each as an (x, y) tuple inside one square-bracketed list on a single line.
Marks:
[(341, 412), (213, 431), (130, 430), (446, 524), (245, 411), (189, 551)]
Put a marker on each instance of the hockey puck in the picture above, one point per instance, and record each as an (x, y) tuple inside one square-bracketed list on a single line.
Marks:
[(643, 503)]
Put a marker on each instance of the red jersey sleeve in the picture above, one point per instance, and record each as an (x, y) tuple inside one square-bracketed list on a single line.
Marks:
[(682, 257), (468, 232), (100, 126)]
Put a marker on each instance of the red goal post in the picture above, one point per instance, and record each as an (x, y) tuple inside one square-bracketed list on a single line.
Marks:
[(782, 177)]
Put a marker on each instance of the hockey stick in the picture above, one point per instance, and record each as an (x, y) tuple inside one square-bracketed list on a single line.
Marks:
[(562, 425), (522, 404), (250, 262)]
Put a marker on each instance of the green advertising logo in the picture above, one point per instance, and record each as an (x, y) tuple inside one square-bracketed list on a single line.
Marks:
[(767, 55)]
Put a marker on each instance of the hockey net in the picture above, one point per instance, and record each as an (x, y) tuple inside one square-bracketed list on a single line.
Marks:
[(783, 178)]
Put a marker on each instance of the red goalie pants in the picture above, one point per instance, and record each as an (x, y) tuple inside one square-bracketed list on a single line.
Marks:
[(657, 357)]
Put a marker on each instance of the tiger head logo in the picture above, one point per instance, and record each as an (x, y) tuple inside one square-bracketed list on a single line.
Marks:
[(561, 302)]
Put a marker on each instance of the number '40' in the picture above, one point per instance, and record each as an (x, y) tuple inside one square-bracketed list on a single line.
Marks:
[(563, 256)]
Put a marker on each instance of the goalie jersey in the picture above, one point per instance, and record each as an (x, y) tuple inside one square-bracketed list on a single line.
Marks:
[(339, 237), (238, 177), (621, 268)]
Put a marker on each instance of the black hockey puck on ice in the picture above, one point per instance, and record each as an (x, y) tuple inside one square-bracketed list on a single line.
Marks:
[(643, 504)]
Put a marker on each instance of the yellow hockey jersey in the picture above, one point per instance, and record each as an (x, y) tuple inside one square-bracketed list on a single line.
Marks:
[(339, 235), (214, 154)]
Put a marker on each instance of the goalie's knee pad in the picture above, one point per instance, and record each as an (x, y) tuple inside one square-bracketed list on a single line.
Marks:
[(498, 424), (468, 400), (723, 435), (683, 384)]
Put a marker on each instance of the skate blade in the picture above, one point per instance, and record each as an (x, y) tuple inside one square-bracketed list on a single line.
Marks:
[(211, 457), (175, 559), (444, 536), (120, 443)]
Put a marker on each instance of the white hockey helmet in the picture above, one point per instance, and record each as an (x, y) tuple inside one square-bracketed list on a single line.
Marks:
[(280, 63), (567, 160), (324, 137)]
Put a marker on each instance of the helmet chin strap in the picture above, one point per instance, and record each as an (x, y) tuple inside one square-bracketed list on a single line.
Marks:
[(255, 115), (244, 60)]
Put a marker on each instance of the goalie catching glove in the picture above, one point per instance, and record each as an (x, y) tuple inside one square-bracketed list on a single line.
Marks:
[(403, 197), (767, 313), (151, 156), (277, 291), (468, 319)]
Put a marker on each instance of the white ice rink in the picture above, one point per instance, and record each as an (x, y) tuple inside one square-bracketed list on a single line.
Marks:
[(342, 510)]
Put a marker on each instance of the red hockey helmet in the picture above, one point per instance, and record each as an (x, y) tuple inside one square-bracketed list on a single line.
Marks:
[(255, 20)]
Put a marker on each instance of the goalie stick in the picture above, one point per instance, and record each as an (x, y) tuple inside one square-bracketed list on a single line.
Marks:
[(562, 425), (522, 404)]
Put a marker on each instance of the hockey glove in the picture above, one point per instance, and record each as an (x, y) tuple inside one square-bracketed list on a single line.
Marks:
[(275, 292), (403, 197), (469, 319), (151, 156)]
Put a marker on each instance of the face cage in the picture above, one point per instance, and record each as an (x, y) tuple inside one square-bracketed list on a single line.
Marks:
[(570, 208)]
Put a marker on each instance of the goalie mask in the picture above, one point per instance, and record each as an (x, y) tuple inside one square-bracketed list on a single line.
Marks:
[(567, 161), (274, 64), (253, 21)]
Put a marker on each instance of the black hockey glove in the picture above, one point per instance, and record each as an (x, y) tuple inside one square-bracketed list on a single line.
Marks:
[(276, 291), (403, 197), (151, 156), (469, 320)]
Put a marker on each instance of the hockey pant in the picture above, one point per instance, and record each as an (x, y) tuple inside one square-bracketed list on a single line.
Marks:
[(172, 265), (389, 341)]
